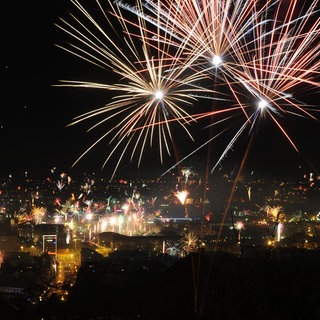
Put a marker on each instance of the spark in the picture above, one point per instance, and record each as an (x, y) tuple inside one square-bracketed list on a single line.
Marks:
[(216, 60), (239, 225), (38, 213), (182, 196), (159, 95), (274, 212), (189, 242), (262, 104)]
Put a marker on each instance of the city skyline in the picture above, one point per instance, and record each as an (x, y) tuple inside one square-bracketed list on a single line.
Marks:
[(34, 131), (111, 233)]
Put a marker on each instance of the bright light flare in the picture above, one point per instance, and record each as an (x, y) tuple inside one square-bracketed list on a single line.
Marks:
[(216, 61), (262, 104), (239, 225), (182, 196), (159, 95)]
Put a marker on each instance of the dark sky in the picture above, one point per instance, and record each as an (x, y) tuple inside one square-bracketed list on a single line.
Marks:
[(33, 133)]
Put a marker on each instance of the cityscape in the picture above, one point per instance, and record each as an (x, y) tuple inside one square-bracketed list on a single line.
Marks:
[(62, 237), (160, 160)]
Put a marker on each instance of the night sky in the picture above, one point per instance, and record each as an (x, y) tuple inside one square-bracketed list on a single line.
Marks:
[(35, 114)]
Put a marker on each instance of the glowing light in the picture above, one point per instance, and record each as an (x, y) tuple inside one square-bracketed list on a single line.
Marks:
[(216, 60), (279, 231), (159, 95), (189, 242), (274, 212), (262, 104), (239, 225), (182, 196), (89, 216)]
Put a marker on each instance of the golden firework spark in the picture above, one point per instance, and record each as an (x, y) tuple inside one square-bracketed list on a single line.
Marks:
[(150, 90), (182, 196)]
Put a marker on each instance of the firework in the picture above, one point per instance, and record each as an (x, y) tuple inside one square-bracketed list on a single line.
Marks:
[(38, 213), (278, 55), (150, 89), (279, 231), (212, 32), (60, 185), (282, 55), (182, 196), (211, 35), (189, 242), (250, 56), (239, 226), (274, 212)]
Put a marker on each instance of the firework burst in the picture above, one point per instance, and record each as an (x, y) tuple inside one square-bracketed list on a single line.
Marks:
[(38, 213), (251, 48), (150, 90), (189, 242), (282, 55), (182, 196), (250, 56)]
